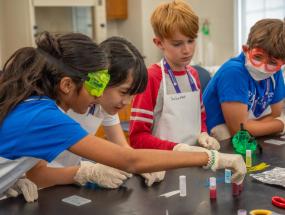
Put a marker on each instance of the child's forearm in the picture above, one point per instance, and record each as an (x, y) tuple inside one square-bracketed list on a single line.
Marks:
[(44, 176), (116, 135), (266, 118), (157, 160), (135, 161), (264, 127)]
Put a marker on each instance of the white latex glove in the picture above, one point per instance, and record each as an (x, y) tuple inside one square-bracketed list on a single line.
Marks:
[(152, 177), (220, 161), (221, 132), (26, 187), (205, 140), (233, 162), (187, 148), (100, 174), (282, 119)]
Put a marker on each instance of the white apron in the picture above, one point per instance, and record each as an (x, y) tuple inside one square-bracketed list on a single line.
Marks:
[(180, 120)]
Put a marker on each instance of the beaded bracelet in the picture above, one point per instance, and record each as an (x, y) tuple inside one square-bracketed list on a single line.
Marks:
[(211, 159)]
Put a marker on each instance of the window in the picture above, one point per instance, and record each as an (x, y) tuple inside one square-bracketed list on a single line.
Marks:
[(250, 11)]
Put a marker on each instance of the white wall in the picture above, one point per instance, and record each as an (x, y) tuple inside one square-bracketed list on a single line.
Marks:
[(1, 32), (15, 34), (130, 28), (112, 28), (60, 19), (220, 13), (137, 28), (17, 21), (151, 52)]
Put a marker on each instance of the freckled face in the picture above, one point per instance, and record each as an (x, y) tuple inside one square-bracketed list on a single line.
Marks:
[(178, 50)]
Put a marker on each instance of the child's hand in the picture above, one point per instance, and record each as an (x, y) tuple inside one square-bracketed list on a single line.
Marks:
[(100, 174), (233, 162), (208, 142), (219, 160), (25, 186), (152, 177)]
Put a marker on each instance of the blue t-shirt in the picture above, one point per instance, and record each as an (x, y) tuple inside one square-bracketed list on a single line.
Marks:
[(233, 83), (37, 128)]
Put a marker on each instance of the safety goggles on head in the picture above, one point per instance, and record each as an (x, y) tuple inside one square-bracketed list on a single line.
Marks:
[(259, 57), (96, 82)]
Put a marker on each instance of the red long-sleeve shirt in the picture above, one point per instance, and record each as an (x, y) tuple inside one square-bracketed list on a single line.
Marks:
[(147, 108)]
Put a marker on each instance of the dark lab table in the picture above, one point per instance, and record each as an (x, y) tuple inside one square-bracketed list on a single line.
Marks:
[(135, 198)]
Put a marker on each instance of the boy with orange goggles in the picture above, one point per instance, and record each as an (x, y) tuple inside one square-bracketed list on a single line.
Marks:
[(258, 57), (249, 88)]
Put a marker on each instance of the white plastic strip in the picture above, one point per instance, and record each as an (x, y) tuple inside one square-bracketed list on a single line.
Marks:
[(171, 193)]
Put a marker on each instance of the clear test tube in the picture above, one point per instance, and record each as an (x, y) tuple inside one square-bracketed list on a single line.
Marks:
[(248, 160), (182, 185), (228, 176), (213, 188)]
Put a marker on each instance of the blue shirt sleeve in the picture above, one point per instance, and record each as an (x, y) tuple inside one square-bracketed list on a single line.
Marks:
[(279, 92), (38, 129), (54, 133), (232, 85)]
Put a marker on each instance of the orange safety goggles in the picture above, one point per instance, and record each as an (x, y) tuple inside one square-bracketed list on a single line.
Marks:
[(259, 57)]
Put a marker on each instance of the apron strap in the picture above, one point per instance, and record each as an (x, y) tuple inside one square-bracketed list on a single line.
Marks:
[(166, 66)]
